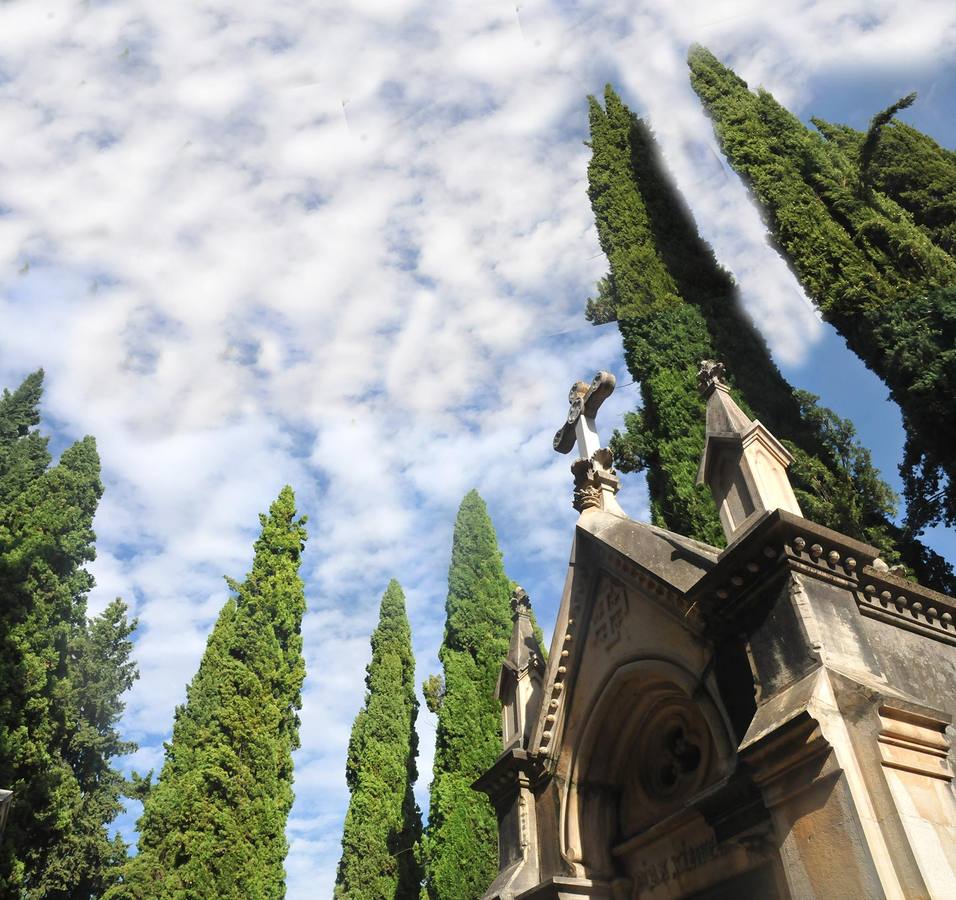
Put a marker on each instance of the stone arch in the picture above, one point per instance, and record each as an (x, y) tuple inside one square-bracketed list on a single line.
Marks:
[(647, 744)]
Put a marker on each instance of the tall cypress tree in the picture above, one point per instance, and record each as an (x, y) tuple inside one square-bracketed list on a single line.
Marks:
[(383, 824), (675, 305), (61, 675), (214, 823), (872, 271), (460, 844), (907, 166)]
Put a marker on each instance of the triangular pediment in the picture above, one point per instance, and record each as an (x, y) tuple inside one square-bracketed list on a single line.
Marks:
[(617, 567)]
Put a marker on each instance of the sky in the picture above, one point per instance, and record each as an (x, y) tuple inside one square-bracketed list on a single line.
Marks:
[(348, 247)]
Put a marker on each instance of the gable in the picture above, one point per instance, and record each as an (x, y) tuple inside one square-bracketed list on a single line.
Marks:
[(616, 609)]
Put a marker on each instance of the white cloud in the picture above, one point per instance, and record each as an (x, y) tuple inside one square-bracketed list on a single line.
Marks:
[(339, 246)]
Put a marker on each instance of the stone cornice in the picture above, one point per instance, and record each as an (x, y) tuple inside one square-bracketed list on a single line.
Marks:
[(505, 776), (906, 604), (780, 541), (774, 543)]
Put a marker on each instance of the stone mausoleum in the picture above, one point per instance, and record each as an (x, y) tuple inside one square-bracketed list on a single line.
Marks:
[(767, 720)]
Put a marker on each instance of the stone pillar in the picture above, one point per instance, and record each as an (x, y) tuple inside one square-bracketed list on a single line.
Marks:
[(508, 783), (519, 682)]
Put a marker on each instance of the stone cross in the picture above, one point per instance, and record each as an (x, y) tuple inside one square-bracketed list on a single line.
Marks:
[(585, 401)]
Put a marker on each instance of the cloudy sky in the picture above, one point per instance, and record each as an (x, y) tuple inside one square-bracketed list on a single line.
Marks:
[(347, 246)]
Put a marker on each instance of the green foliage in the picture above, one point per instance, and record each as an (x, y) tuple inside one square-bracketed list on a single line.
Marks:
[(61, 674), (879, 277), (433, 689), (840, 487), (675, 306), (601, 309), (383, 824), (873, 134), (460, 844), (911, 169), (214, 823)]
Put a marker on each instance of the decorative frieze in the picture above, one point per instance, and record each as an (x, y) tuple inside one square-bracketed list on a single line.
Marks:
[(555, 692)]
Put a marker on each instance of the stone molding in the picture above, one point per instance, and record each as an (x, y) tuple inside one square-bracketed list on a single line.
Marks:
[(914, 743), (907, 605), (671, 599), (556, 692), (565, 888), (515, 768), (776, 755)]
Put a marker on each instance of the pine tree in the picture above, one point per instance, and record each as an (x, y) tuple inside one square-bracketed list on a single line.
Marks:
[(383, 824), (872, 271), (460, 842), (675, 305), (214, 823), (61, 675)]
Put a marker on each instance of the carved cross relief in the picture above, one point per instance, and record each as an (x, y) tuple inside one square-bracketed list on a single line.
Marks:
[(610, 612)]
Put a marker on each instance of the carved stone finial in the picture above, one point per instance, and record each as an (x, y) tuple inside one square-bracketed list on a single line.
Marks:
[(710, 373), (585, 400), (520, 602), (743, 464)]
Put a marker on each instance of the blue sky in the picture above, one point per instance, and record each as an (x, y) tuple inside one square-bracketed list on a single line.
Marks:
[(347, 246)]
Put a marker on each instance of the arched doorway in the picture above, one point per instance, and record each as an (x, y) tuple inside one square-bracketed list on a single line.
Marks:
[(650, 741)]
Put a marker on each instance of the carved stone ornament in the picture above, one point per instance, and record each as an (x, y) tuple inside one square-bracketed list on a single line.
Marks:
[(672, 757), (592, 477), (520, 602), (709, 374)]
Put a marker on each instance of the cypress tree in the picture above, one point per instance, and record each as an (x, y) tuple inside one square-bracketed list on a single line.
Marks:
[(383, 824), (61, 674), (460, 844), (907, 166), (675, 305), (214, 823), (874, 273)]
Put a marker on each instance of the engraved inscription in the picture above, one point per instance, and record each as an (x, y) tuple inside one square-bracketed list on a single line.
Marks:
[(654, 873)]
